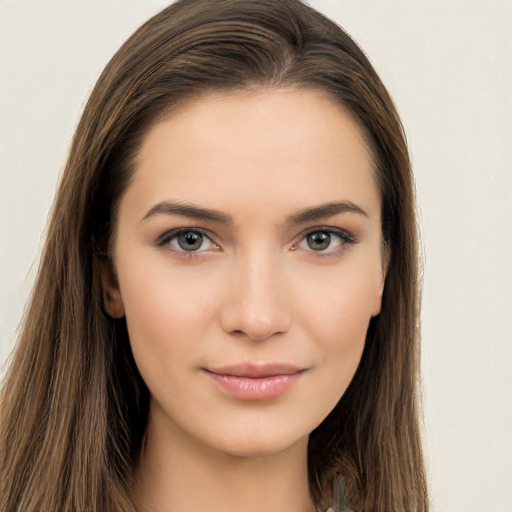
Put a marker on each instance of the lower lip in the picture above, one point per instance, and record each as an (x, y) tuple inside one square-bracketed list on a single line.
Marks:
[(263, 388)]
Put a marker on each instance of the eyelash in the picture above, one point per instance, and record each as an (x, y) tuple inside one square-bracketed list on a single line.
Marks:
[(344, 238), (168, 236)]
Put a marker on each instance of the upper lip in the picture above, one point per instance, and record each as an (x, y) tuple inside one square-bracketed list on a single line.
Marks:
[(256, 371)]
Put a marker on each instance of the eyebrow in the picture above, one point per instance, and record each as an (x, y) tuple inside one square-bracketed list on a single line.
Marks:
[(306, 215), (325, 210), (189, 210)]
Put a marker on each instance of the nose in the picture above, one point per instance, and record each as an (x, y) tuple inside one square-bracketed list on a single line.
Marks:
[(256, 304)]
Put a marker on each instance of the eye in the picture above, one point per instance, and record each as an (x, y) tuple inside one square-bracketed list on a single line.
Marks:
[(187, 240), (324, 241)]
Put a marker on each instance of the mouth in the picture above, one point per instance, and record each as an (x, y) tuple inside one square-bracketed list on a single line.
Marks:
[(255, 382)]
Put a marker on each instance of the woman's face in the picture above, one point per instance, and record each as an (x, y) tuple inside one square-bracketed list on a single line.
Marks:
[(249, 262)]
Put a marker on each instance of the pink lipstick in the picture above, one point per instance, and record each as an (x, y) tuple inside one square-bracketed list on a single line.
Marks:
[(255, 382)]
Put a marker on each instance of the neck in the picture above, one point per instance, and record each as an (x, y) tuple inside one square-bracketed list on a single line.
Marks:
[(177, 475)]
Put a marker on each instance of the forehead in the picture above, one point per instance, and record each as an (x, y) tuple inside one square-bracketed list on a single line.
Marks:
[(258, 149)]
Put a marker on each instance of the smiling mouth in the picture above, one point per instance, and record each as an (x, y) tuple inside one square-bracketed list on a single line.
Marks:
[(253, 382)]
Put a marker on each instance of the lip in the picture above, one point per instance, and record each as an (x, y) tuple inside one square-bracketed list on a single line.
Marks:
[(255, 381)]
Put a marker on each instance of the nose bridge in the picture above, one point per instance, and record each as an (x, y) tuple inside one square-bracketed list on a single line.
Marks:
[(256, 304)]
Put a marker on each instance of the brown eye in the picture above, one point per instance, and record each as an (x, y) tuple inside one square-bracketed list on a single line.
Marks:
[(187, 241), (190, 240), (325, 241), (319, 240)]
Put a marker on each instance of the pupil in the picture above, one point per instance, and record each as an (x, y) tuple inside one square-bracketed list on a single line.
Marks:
[(318, 241), (190, 241)]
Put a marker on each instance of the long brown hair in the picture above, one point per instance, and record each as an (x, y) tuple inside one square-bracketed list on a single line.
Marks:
[(73, 405)]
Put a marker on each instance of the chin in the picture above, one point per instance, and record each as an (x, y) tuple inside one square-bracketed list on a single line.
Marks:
[(260, 444)]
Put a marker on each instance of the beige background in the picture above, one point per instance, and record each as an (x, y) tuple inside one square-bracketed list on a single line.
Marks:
[(448, 65)]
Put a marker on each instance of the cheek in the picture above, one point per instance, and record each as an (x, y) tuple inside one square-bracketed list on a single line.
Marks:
[(166, 312), (340, 305), (338, 319)]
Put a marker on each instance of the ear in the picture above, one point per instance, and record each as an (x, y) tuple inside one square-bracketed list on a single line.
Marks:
[(386, 255), (112, 302)]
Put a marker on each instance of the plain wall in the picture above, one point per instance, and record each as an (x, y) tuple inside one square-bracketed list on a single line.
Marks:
[(448, 66)]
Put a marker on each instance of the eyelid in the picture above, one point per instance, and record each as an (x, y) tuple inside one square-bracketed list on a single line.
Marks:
[(344, 233), (347, 238), (166, 237)]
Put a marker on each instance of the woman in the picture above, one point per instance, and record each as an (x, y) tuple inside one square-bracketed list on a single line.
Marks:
[(226, 311)]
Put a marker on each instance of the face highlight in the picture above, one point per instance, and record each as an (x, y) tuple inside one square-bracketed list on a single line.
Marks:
[(249, 262)]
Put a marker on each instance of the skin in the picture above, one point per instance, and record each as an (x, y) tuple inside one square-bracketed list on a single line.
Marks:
[(254, 292)]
